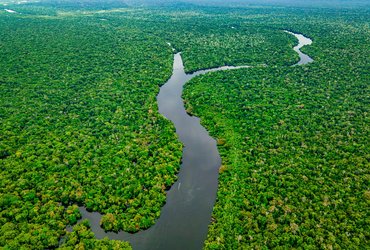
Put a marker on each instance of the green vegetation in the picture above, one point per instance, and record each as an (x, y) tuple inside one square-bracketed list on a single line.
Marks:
[(79, 123), (82, 238), (212, 37), (215, 42), (79, 120), (294, 142)]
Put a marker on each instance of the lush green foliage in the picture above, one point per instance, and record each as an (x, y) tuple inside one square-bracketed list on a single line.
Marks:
[(212, 37), (82, 238), (79, 124), (217, 41), (294, 142), (79, 121)]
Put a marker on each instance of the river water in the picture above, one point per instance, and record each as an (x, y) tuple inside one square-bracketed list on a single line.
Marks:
[(302, 41), (185, 217)]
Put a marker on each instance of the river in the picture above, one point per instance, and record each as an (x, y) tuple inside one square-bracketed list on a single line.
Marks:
[(185, 217)]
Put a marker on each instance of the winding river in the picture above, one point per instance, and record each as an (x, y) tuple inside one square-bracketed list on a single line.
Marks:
[(185, 217)]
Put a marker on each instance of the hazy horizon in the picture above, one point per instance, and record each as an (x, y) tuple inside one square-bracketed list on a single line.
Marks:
[(240, 3), (293, 3)]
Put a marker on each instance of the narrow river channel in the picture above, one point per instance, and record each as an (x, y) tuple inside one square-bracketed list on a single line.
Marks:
[(185, 217)]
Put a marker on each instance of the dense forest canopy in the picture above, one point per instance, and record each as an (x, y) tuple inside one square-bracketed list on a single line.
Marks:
[(294, 142), (79, 123)]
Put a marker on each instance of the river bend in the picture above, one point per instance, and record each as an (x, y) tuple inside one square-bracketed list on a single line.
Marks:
[(185, 217)]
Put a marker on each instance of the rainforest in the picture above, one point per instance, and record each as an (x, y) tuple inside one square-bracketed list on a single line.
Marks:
[(184, 124)]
